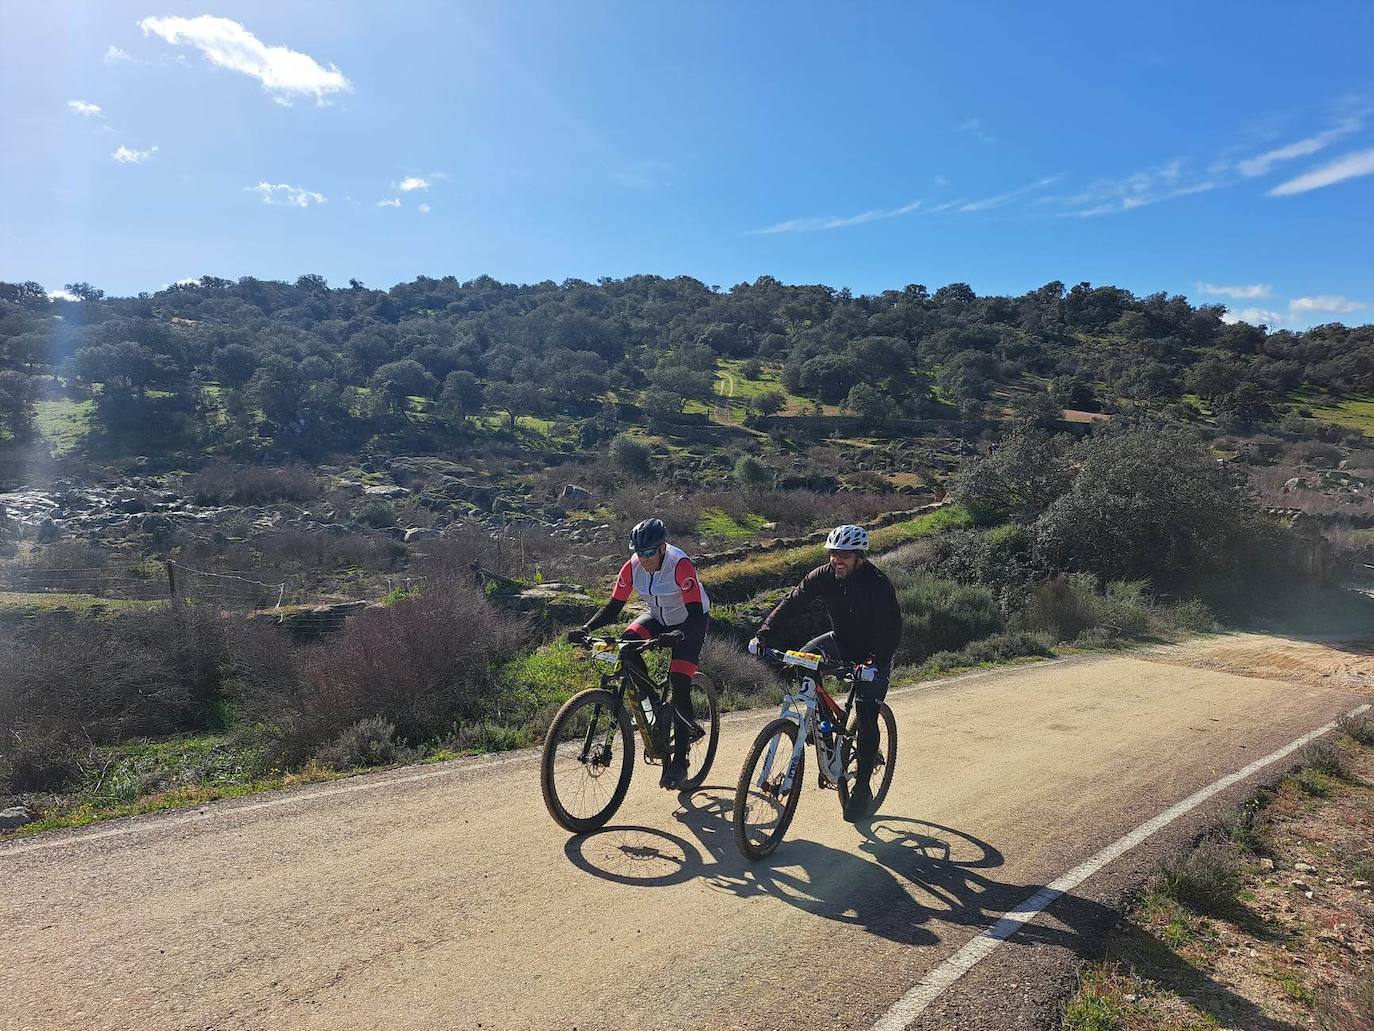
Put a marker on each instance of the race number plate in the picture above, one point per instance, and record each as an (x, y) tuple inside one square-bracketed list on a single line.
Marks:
[(807, 660), (606, 655)]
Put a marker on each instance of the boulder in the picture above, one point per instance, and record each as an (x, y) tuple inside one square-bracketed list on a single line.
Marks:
[(15, 817), (420, 533), (573, 496), (386, 492)]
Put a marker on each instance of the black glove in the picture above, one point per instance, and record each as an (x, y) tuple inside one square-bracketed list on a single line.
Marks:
[(578, 636)]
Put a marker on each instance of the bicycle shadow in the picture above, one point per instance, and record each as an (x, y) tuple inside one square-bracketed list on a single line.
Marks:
[(906, 881)]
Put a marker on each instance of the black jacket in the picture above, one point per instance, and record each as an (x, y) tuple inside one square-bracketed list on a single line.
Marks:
[(862, 608)]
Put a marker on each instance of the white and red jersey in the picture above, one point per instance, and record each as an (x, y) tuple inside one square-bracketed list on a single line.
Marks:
[(667, 591)]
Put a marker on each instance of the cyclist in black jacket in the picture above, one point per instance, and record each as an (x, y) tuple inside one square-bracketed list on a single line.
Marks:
[(866, 626)]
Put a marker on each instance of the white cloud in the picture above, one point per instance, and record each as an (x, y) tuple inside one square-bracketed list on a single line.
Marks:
[(283, 72), (1349, 167), (1325, 302), (974, 127), (1003, 198), (424, 209), (113, 55), (1262, 163), (1238, 293), (816, 223), (1148, 186), (394, 202), (127, 156), (84, 109), (1255, 316), (61, 295), (1300, 310), (413, 182), (286, 196)]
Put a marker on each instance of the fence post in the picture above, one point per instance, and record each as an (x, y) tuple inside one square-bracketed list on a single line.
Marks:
[(172, 583)]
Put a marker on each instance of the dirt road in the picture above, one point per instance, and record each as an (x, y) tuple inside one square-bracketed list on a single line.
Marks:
[(445, 897)]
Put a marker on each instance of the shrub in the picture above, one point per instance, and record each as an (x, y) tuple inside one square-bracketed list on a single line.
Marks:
[(369, 742), (1360, 728), (741, 679), (228, 483), (1243, 827), (750, 472), (631, 456), (1153, 505), (424, 664), (1208, 877), (1328, 759), (941, 615), (377, 514), (1017, 480)]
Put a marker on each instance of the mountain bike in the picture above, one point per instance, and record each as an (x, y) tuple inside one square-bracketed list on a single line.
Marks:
[(771, 780), (589, 753)]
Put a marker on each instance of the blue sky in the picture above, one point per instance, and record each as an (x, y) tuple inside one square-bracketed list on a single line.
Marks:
[(1224, 151)]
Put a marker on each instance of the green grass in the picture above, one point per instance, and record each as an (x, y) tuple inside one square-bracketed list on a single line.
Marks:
[(1352, 413), (63, 423), (734, 581), (18, 603), (715, 522)]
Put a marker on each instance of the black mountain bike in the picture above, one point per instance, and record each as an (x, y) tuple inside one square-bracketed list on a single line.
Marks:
[(771, 781), (589, 753)]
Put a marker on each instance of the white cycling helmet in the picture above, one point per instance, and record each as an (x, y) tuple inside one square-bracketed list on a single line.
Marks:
[(847, 538)]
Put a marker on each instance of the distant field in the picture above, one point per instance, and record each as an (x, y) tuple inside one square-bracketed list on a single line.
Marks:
[(63, 423), (1352, 413)]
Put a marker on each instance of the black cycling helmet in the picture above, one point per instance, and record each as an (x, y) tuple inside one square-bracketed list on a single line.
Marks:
[(647, 536)]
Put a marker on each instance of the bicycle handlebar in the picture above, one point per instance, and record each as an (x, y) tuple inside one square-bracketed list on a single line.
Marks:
[(667, 640), (824, 665)]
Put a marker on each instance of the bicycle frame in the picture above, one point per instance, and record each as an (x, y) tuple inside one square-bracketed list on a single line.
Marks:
[(807, 705), (625, 682)]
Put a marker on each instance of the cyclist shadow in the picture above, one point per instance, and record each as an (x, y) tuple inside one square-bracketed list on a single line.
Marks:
[(905, 881)]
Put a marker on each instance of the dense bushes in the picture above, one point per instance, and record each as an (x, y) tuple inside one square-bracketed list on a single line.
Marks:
[(941, 615), (71, 684), (423, 664), (1129, 504)]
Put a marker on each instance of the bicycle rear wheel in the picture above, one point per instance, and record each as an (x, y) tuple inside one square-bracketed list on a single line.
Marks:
[(706, 715), (768, 789), (589, 757), (884, 761)]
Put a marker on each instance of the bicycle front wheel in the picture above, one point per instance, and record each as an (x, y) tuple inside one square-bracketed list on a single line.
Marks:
[(768, 789), (705, 730), (589, 757)]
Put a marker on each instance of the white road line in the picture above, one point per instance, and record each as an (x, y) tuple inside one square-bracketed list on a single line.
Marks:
[(932, 986), (448, 769)]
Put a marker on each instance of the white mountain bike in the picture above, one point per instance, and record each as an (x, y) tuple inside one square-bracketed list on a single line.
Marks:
[(770, 783)]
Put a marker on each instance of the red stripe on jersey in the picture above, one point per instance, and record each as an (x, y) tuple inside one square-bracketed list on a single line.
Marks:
[(638, 631), (687, 581), (625, 582)]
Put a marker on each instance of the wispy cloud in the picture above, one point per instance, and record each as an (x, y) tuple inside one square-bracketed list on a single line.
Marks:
[(84, 109), (1350, 122), (1352, 166), (1149, 186), (413, 182), (818, 223), (424, 209), (128, 156), (1000, 199), (393, 202), (1325, 302), (283, 72), (286, 196), (974, 127), (1238, 293), (113, 55)]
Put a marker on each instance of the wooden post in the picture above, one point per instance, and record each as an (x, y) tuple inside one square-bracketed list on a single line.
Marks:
[(172, 583)]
